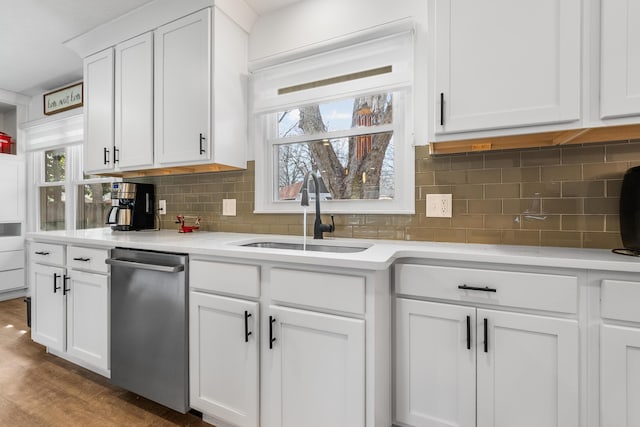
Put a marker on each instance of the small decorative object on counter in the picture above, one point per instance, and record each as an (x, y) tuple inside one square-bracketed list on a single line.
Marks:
[(188, 223), (5, 143)]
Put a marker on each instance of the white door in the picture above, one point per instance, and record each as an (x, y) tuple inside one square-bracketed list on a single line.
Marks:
[(620, 78), (620, 376), (12, 190), (435, 364), (98, 112), (224, 338), (504, 63), (134, 103), (48, 305), (88, 317), (313, 370), (183, 89), (527, 370)]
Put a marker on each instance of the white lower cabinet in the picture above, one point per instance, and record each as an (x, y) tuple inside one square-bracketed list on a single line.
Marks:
[(88, 318), (620, 376), (314, 369), (48, 306), (70, 307), (280, 346), (466, 365), (224, 359)]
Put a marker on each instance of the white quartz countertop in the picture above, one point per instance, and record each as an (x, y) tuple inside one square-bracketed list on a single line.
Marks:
[(379, 255)]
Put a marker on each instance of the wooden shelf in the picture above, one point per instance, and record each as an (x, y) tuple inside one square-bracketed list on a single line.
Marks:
[(543, 139)]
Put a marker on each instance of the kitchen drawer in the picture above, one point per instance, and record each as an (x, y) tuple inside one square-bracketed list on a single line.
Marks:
[(620, 300), (11, 260), (12, 279), (322, 290), (47, 253), (88, 259), (234, 279), (547, 292)]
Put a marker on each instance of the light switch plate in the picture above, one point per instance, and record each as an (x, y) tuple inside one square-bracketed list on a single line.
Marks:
[(439, 205), (162, 207), (229, 207)]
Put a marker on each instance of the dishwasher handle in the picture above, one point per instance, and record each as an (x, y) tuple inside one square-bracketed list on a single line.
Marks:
[(145, 266)]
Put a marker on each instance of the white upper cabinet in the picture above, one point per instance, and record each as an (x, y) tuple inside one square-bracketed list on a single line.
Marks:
[(620, 59), (98, 112), (134, 103), (503, 63), (183, 89)]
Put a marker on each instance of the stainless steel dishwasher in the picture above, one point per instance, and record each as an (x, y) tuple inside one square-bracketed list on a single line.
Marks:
[(149, 321)]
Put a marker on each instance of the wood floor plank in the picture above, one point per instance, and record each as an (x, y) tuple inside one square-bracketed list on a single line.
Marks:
[(39, 389)]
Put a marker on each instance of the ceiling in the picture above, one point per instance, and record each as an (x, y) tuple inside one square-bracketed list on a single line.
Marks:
[(32, 32)]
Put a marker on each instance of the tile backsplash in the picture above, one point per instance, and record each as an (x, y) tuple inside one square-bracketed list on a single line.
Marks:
[(557, 196)]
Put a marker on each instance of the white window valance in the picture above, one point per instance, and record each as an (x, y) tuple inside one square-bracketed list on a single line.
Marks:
[(383, 64)]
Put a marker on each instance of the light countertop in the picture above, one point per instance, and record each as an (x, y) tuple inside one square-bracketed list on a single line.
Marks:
[(379, 255)]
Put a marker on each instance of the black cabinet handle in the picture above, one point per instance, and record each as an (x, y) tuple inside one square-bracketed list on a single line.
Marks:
[(477, 288), (468, 332), (486, 335), (105, 156), (65, 290), (55, 282), (271, 337), (202, 139), (42, 253), (441, 108), (82, 259), (246, 326), (116, 159)]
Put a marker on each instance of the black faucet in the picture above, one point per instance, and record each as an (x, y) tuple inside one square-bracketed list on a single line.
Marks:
[(318, 226)]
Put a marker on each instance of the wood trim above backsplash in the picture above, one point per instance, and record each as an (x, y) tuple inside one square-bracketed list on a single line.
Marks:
[(543, 139)]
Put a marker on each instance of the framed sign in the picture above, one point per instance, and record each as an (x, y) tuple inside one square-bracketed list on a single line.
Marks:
[(63, 99)]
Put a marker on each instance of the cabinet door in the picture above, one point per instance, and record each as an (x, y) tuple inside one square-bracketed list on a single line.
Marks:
[(620, 79), (88, 317), (12, 190), (134, 103), (98, 112), (620, 376), (501, 63), (435, 364), (313, 374), (183, 89), (527, 370), (48, 305), (224, 358)]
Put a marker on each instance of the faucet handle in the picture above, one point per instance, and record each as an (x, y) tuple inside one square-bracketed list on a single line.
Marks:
[(332, 227)]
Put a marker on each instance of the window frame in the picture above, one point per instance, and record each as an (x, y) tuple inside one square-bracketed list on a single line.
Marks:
[(398, 50)]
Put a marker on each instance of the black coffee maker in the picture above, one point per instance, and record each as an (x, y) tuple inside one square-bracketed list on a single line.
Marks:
[(134, 209)]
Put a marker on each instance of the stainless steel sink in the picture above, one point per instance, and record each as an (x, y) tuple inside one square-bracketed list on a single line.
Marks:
[(310, 247)]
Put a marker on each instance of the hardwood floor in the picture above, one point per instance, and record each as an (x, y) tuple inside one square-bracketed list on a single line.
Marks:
[(38, 389)]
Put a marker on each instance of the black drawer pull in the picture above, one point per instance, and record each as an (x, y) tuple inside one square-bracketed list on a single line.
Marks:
[(271, 337), (441, 109), (477, 288), (82, 259), (42, 253), (246, 326), (105, 155)]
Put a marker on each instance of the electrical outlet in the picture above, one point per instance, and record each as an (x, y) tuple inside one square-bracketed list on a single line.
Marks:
[(439, 205), (162, 207), (229, 207)]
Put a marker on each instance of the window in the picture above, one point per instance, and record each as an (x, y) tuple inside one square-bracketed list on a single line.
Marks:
[(66, 198), (350, 126)]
